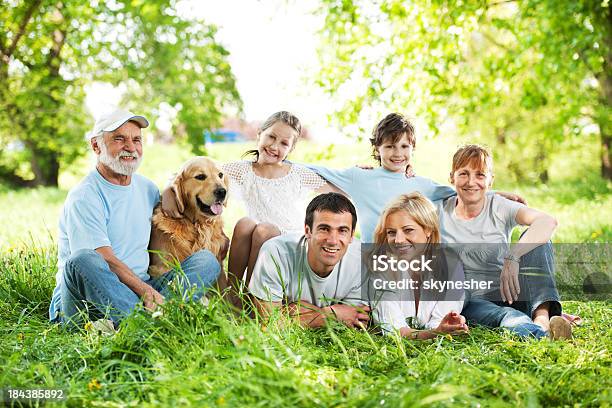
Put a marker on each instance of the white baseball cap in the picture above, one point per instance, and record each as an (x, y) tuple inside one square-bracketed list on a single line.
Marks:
[(112, 120)]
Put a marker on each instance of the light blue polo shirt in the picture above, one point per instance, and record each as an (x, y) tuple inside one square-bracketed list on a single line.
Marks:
[(98, 213), (372, 190)]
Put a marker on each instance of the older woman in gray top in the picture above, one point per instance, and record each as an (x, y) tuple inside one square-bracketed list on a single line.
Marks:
[(522, 296)]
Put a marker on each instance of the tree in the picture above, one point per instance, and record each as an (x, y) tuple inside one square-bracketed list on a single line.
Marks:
[(49, 50), (528, 74)]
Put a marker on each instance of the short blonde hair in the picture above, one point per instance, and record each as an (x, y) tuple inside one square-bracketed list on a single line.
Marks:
[(475, 155), (418, 207)]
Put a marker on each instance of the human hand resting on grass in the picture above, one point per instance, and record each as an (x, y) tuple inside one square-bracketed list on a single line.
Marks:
[(352, 316), (452, 323), (509, 281), (152, 299)]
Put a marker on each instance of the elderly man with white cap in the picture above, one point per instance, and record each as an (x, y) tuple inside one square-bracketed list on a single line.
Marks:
[(104, 232)]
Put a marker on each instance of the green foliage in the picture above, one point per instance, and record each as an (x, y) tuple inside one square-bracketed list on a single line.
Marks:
[(50, 50), (524, 76)]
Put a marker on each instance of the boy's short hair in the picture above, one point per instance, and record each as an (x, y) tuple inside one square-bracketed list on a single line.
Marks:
[(472, 154), (333, 202), (391, 128)]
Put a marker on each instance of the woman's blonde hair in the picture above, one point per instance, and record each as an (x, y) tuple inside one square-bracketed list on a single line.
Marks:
[(418, 207), (423, 212)]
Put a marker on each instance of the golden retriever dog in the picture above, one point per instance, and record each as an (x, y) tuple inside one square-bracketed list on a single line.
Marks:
[(200, 191)]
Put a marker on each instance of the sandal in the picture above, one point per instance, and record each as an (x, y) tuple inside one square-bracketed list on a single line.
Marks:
[(574, 320)]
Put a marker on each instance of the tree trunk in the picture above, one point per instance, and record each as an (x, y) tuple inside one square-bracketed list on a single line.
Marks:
[(604, 119), (606, 155), (605, 126), (541, 163), (44, 164), (500, 135), (52, 177)]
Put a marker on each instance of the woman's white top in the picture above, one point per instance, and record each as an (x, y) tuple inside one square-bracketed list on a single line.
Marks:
[(401, 311), (395, 315), (279, 201)]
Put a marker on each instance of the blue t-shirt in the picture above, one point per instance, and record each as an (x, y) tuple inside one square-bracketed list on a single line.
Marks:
[(372, 190), (98, 213)]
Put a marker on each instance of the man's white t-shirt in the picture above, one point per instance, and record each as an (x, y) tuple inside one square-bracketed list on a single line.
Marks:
[(282, 273)]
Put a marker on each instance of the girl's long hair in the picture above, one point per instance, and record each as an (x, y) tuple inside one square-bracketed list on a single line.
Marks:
[(285, 117)]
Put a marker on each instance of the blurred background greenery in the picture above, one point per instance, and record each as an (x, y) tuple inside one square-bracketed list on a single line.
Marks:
[(531, 79)]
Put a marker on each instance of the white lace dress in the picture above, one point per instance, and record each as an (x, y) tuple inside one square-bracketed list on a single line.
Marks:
[(279, 201)]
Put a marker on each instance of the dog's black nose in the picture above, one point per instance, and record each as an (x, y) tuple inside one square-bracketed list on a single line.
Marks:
[(220, 193)]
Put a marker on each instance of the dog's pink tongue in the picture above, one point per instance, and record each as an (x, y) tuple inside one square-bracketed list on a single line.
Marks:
[(216, 208)]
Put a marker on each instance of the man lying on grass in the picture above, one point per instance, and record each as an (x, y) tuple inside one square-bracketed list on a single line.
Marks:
[(315, 276), (104, 232)]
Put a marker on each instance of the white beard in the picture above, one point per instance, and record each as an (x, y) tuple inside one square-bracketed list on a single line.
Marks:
[(115, 163)]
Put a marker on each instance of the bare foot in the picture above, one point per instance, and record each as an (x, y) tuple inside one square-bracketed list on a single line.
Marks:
[(542, 321)]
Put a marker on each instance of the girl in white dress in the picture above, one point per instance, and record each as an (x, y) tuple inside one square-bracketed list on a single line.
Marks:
[(274, 192)]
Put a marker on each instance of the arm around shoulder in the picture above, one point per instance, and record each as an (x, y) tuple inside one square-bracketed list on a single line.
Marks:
[(340, 181)]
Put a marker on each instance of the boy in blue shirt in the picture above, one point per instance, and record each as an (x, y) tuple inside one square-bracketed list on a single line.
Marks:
[(393, 141)]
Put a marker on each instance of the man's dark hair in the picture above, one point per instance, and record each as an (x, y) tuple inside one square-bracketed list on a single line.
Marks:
[(333, 202)]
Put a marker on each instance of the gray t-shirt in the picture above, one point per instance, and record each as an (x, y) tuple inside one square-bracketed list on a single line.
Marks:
[(484, 240), (282, 273)]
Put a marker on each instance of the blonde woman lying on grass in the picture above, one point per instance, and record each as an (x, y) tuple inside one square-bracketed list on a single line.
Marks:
[(409, 301)]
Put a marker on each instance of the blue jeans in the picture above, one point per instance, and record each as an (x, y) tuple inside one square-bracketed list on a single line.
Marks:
[(536, 278), (89, 285)]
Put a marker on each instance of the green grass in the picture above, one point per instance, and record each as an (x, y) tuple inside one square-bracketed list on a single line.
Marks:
[(197, 356), (193, 356)]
